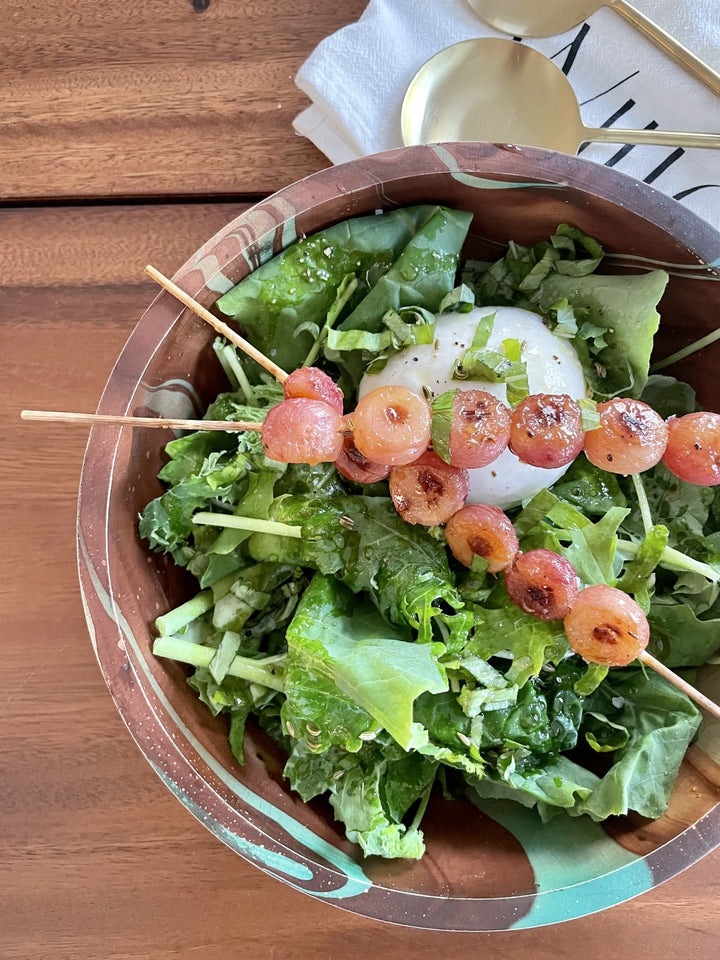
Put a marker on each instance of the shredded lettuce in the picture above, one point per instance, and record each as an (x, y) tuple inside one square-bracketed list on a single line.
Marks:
[(478, 362), (610, 320)]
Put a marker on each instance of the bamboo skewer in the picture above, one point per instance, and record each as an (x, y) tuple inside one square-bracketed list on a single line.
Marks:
[(700, 699), (218, 325), (60, 416)]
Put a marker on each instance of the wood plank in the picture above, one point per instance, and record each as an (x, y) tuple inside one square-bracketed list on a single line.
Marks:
[(53, 247), (99, 859), (165, 97)]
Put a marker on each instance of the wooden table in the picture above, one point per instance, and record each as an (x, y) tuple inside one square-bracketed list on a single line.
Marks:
[(131, 132)]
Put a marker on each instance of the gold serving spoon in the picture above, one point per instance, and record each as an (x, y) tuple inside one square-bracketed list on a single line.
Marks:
[(546, 18), (502, 91)]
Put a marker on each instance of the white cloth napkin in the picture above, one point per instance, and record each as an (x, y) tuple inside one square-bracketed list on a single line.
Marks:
[(356, 79)]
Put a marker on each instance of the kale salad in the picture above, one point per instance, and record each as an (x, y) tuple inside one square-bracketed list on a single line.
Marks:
[(383, 668)]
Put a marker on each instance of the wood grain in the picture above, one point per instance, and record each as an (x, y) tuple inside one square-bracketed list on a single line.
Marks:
[(154, 98), (98, 859)]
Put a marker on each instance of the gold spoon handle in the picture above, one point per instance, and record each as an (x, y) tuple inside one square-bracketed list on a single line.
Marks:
[(662, 138), (669, 45)]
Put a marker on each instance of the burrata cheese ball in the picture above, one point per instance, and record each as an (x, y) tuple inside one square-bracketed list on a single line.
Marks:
[(553, 367)]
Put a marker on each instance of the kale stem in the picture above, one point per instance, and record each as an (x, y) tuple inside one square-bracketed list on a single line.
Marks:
[(686, 351), (674, 560), (177, 619), (234, 370), (346, 289), (243, 381), (422, 807), (255, 671), (253, 524), (642, 502)]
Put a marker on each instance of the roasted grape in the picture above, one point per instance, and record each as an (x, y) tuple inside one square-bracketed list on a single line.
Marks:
[(301, 430), (481, 530), (631, 437), (542, 583), (480, 428), (354, 465), (693, 448), (391, 425), (546, 430), (606, 626), (428, 491), (312, 383)]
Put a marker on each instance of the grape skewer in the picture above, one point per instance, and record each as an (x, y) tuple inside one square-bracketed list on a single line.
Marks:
[(495, 543), (633, 423), (606, 626), (700, 699)]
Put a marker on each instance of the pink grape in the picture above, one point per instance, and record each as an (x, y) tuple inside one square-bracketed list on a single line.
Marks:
[(301, 430), (606, 626), (391, 425), (480, 428), (542, 583), (693, 449), (482, 530), (631, 437), (353, 465), (314, 384), (546, 430), (428, 491)]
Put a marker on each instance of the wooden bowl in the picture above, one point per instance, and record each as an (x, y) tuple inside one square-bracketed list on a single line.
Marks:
[(494, 870)]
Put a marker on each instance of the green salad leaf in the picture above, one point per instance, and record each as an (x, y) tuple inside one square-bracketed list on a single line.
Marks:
[(405, 257), (680, 637), (204, 467), (348, 674), (365, 544), (643, 720), (422, 275), (615, 340), (371, 792), (660, 722)]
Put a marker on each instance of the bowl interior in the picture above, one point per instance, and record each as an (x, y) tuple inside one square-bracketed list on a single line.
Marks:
[(489, 869)]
